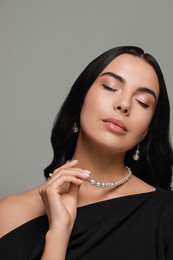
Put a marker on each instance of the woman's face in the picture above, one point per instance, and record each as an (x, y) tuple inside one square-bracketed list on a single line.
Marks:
[(120, 104)]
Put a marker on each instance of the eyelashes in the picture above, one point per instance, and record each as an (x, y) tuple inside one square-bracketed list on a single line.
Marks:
[(142, 104), (109, 88)]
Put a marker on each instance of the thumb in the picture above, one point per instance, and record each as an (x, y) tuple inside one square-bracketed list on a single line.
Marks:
[(74, 190)]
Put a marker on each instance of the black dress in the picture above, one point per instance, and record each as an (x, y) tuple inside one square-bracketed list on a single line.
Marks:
[(135, 227)]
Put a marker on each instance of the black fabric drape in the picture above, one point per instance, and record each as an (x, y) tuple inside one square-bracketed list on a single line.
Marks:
[(137, 227)]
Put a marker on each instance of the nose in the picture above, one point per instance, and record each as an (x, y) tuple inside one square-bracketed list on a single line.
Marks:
[(122, 106), (122, 109)]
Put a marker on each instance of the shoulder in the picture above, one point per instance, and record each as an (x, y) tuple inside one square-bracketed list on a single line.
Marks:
[(18, 209), (167, 198), (137, 186), (163, 201)]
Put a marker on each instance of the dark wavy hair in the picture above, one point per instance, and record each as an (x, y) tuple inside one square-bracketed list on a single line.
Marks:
[(156, 155)]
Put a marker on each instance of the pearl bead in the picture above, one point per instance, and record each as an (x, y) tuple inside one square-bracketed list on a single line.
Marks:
[(136, 157), (99, 184)]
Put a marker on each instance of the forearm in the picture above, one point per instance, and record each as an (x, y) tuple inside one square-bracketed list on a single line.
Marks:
[(56, 245)]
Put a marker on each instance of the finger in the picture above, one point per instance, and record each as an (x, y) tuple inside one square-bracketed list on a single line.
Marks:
[(74, 191), (77, 172), (51, 194), (56, 184), (72, 171), (67, 165)]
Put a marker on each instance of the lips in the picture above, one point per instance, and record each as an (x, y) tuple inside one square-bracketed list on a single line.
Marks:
[(115, 122)]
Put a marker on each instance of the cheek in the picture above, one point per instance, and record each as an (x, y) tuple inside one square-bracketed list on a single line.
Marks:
[(85, 114), (87, 107), (142, 123), (93, 110), (93, 103)]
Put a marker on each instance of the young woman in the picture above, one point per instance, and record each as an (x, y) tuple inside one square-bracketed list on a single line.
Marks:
[(107, 194)]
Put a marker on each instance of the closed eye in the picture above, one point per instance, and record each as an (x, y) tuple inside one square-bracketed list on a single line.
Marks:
[(142, 104), (108, 88)]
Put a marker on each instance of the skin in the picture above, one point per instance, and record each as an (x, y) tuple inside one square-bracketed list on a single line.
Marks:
[(130, 97)]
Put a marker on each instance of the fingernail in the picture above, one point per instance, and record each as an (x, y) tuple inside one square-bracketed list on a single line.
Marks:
[(86, 173), (73, 161), (80, 180)]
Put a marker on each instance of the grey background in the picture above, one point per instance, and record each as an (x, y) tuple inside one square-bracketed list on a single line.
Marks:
[(44, 45)]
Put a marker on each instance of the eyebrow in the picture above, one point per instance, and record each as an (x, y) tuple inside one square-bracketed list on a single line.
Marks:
[(147, 90), (115, 76), (123, 81)]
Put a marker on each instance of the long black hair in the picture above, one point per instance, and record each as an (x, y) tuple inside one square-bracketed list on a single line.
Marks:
[(156, 155)]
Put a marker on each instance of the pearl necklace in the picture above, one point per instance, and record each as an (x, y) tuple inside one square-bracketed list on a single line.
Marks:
[(99, 184)]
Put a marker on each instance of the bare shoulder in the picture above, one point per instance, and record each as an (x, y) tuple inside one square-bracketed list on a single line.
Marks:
[(139, 186), (18, 209), (134, 186)]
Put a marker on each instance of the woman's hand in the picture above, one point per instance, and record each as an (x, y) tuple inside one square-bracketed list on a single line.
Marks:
[(60, 194)]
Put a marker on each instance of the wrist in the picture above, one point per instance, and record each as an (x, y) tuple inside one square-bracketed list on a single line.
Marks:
[(56, 243), (58, 233)]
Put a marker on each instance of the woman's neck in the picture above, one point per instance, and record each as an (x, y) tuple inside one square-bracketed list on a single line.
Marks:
[(103, 163)]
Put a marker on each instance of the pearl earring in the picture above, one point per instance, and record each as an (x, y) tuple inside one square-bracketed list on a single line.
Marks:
[(136, 155), (75, 128)]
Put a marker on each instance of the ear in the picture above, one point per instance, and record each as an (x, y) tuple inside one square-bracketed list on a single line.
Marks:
[(143, 136)]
